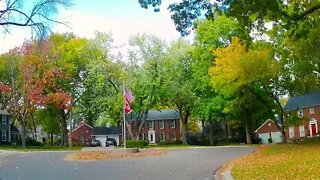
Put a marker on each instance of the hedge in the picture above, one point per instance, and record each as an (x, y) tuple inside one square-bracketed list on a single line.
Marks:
[(136, 144)]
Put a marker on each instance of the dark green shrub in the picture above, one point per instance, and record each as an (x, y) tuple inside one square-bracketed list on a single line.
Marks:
[(136, 144), (270, 140)]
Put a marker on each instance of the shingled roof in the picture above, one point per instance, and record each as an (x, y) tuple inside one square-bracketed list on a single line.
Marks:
[(166, 114), (106, 130), (305, 101)]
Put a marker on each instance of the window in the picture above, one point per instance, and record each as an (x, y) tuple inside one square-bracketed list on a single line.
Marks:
[(173, 136), (301, 130), (311, 110), (172, 124), (300, 113), (291, 132), (161, 124), (4, 135), (162, 137), (4, 119), (151, 124)]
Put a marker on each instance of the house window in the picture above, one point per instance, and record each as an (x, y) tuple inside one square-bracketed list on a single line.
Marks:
[(311, 110), (172, 124), (4, 119), (301, 130), (300, 113), (291, 132), (4, 135), (173, 136), (151, 124), (162, 137), (161, 124)]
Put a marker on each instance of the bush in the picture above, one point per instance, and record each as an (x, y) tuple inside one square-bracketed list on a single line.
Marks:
[(270, 140), (136, 144), (30, 142)]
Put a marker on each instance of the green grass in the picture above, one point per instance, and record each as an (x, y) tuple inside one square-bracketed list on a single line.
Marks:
[(282, 161), (39, 148)]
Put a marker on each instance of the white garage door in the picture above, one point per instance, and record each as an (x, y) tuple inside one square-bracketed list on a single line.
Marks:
[(102, 139), (276, 137)]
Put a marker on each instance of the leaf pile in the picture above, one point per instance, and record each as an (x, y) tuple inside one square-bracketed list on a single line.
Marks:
[(98, 155)]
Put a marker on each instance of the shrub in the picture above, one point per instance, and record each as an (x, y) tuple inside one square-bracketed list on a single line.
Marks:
[(136, 144), (270, 140)]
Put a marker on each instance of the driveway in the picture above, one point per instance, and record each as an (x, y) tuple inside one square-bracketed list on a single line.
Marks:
[(184, 164)]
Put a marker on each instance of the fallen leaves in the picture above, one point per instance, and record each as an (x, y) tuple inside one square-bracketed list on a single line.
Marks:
[(284, 161), (100, 155)]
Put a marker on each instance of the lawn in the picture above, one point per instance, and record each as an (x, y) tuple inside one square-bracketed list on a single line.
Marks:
[(39, 148), (282, 161)]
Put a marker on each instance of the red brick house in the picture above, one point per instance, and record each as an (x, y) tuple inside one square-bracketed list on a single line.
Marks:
[(308, 108), (81, 135), (269, 130), (160, 126)]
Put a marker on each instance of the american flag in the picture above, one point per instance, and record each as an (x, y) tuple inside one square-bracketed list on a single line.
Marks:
[(128, 95)]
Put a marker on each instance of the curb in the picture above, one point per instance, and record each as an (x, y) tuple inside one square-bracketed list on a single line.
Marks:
[(223, 174)]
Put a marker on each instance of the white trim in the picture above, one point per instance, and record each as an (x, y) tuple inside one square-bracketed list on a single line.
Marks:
[(315, 122), (291, 132), (301, 129), (164, 137), (174, 124), (311, 110), (4, 119), (5, 135), (151, 132), (263, 124), (83, 123), (149, 124), (162, 123)]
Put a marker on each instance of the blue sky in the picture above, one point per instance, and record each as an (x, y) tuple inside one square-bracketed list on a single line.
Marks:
[(123, 18)]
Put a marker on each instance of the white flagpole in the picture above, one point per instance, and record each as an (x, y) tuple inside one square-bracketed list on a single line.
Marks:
[(124, 116)]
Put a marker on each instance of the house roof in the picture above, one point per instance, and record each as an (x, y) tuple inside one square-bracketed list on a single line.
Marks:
[(267, 121), (166, 114), (82, 123), (106, 130), (14, 129), (3, 112), (299, 102)]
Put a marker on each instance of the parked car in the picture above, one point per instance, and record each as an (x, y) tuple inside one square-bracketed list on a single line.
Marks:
[(111, 141), (95, 143)]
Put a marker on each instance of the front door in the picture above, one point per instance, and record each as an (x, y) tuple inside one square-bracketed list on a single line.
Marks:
[(313, 130), (151, 136)]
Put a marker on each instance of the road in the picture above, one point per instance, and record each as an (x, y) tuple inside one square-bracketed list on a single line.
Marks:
[(184, 164)]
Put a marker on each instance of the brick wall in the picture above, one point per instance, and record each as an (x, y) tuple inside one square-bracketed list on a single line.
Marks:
[(82, 134), (269, 126), (306, 124)]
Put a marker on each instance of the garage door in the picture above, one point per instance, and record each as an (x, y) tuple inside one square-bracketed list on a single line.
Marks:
[(276, 137), (102, 140)]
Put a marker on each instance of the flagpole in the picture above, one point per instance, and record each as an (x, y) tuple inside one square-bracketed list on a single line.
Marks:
[(124, 116)]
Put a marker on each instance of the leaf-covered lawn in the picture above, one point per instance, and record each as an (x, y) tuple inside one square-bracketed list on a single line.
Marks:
[(283, 161)]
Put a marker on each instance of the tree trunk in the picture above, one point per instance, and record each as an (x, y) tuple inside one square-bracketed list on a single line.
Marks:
[(23, 133), (226, 133), (203, 133), (64, 130), (248, 132), (184, 130), (211, 132), (51, 137)]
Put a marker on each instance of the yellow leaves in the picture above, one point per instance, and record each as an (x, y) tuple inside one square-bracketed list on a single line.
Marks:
[(235, 66)]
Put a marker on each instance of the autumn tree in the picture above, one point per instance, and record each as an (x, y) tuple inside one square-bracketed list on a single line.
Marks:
[(247, 74)]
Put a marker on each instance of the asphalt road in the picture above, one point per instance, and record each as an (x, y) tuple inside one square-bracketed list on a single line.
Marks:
[(184, 164)]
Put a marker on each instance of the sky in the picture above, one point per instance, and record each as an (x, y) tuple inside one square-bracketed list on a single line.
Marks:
[(123, 18)]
